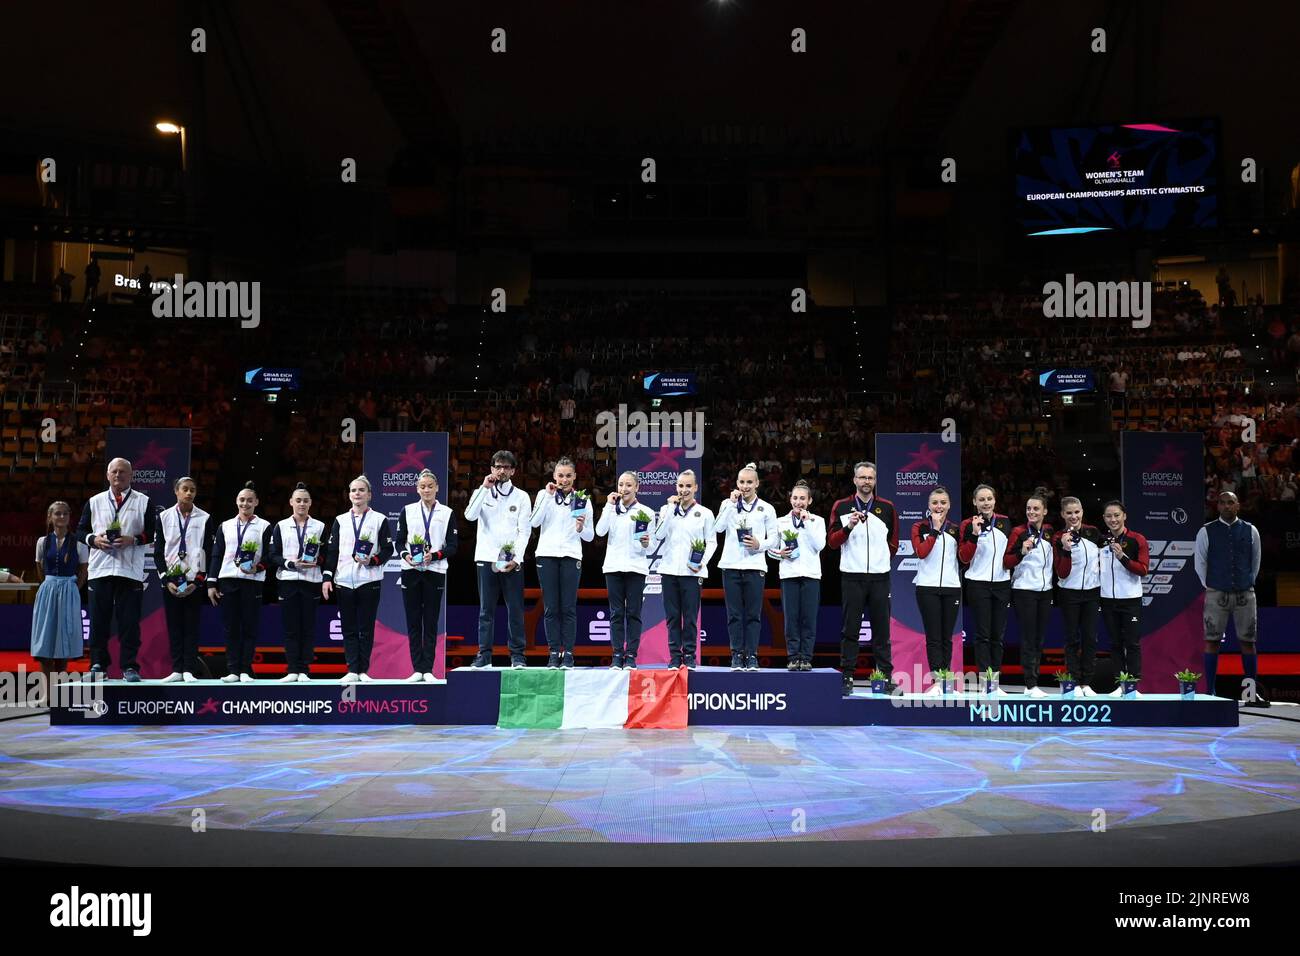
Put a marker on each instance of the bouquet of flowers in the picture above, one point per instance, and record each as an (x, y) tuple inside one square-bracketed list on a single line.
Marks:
[(578, 502)]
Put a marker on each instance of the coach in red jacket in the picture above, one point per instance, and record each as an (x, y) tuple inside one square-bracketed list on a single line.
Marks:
[(865, 530), (1125, 557)]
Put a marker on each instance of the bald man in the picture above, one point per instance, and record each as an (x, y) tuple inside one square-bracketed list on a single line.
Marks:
[(118, 527), (1227, 562)]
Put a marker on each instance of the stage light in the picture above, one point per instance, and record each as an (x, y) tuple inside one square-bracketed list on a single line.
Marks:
[(166, 126)]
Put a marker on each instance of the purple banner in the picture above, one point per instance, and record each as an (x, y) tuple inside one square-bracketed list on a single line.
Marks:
[(908, 466), (393, 462), (158, 456), (657, 469), (1164, 489)]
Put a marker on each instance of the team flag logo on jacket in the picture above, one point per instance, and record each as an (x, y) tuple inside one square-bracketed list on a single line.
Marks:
[(591, 699)]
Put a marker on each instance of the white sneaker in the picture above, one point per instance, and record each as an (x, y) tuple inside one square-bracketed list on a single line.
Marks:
[(1086, 691), (304, 678), (171, 678), (413, 679), (189, 678), (365, 677), (1117, 692), (429, 678), (349, 678), (230, 679), (1035, 692), (288, 679), (246, 678)]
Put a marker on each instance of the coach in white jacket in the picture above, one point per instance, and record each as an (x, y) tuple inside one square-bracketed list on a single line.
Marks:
[(118, 526), (503, 513)]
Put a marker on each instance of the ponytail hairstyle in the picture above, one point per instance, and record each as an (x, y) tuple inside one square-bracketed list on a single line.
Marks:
[(364, 480), (176, 485), (565, 462), (302, 486), (805, 486), (427, 473), (1039, 495)]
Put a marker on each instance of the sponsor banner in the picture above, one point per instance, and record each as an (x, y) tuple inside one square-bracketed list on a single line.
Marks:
[(908, 466), (1163, 482), (1149, 711), (393, 462), (271, 379), (1067, 381), (320, 702), (780, 698), (158, 456), (657, 470)]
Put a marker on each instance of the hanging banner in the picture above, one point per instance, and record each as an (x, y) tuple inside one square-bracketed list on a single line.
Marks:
[(657, 466), (393, 462), (158, 456), (908, 466), (1164, 495)]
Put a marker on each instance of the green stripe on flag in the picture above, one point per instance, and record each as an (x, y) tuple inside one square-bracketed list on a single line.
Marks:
[(532, 698)]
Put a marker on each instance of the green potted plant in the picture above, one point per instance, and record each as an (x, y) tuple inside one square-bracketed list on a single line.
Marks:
[(640, 523), (946, 680), (505, 556), (1067, 682), (363, 547), (1128, 684), (176, 576), (417, 549), (991, 678), (879, 682), (1187, 683), (310, 548), (790, 539), (742, 532), (248, 556), (114, 530), (578, 502), (697, 553)]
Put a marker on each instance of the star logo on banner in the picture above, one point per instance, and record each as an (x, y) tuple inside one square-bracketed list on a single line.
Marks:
[(1169, 459), (410, 460), (924, 458), (152, 456), (665, 459), (209, 707)]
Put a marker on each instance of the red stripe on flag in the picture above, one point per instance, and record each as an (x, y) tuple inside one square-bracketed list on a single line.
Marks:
[(657, 698)]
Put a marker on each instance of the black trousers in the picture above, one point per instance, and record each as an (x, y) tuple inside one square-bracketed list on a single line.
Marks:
[(940, 608), (241, 613), (358, 608), (1079, 608), (298, 600), (865, 594), (626, 590), (122, 597), (422, 599), (1123, 624), (1033, 608), (182, 614), (681, 593), (989, 602)]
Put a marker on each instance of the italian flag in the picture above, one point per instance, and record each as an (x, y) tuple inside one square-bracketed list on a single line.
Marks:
[(591, 698)]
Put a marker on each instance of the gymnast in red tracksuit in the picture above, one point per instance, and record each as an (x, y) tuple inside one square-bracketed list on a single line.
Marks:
[(1125, 558)]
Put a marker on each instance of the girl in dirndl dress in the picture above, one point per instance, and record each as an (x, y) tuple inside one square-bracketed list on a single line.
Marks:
[(56, 618)]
